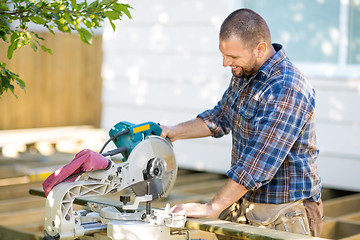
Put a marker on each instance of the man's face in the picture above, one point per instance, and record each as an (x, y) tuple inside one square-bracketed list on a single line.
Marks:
[(242, 60)]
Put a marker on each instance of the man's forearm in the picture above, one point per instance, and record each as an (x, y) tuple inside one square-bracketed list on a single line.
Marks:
[(227, 195), (195, 128)]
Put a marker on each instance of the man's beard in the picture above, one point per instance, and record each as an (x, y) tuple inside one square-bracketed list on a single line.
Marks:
[(246, 73)]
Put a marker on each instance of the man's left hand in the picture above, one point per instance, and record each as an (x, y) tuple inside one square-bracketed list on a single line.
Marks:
[(196, 210)]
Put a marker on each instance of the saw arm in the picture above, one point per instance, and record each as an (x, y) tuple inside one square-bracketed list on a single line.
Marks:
[(60, 220)]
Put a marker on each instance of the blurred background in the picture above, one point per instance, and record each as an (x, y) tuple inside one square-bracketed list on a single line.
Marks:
[(164, 66)]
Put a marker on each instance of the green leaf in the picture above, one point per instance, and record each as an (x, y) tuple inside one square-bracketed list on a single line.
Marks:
[(3, 35), (85, 36), (6, 77), (4, 7), (106, 2), (74, 4), (93, 4), (38, 20), (36, 35), (20, 83), (11, 87), (112, 25), (33, 46), (46, 49), (39, 4), (13, 44), (11, 49), (112, 15), (68, 17), (122, 8), (37, 42)]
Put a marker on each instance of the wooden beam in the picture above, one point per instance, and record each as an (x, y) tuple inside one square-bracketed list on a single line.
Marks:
[(342, 206), (17, 190), (241, 231), (202, 187), (197, 178), (7, 233), (10, 205), (22, 217)]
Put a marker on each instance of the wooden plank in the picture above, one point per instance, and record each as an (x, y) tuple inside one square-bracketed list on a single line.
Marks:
[(17, 191), (241, 231), (197, 178), (202, 187), (352, 217), (341, 230), (7, 233), (15, 204), (22, 217), (33, 135), (342, 206), (8, 172), (48, 140)]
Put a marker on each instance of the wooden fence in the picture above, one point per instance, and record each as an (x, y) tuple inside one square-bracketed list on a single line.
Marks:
[(61, 89)]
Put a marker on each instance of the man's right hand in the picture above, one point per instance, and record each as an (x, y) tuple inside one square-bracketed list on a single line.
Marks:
[(195, 128), (168, 131)]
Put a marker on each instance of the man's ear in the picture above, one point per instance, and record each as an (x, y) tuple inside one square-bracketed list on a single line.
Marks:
[(260, 49)]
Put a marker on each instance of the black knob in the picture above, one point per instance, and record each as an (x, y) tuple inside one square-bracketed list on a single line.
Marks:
[(124, 199)]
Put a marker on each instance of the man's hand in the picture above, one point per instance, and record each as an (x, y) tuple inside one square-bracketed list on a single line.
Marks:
[(169, 132), (196, 210), (195, 128), (227, 195)]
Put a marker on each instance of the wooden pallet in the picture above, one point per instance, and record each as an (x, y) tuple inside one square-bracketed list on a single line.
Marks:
[(49, 140)]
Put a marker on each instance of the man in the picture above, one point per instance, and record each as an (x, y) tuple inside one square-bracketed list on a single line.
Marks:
[(269, 109)]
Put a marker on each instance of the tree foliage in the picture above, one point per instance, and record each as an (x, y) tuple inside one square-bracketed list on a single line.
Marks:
[(67, 16)]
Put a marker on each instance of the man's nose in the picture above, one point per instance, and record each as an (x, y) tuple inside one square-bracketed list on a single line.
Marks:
[(226, 61)]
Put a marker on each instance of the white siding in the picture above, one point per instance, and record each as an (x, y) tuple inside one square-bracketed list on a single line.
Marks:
[(338, 131), (164, 66)]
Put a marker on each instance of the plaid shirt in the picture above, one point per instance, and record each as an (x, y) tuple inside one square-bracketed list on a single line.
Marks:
[(272, 120)]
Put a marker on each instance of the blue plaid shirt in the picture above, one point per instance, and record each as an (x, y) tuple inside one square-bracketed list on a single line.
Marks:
[(272, 120)]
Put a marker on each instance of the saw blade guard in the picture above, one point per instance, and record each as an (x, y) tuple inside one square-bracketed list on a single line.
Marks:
[(154, 158)]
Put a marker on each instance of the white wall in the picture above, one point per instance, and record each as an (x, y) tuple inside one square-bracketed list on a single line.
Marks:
[(164, 66)]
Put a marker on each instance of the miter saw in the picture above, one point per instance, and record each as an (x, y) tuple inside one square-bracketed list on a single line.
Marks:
[(148, 167)]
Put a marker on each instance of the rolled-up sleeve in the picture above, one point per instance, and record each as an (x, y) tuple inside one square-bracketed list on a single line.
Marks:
[(216, 119)]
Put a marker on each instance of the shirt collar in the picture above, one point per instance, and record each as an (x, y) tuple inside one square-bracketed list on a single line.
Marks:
[(278, 56)]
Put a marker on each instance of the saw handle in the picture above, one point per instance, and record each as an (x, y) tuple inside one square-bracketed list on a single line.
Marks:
[(115, 151), (114, 138)]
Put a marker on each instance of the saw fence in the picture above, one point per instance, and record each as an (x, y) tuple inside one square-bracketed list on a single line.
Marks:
[(22, 214)]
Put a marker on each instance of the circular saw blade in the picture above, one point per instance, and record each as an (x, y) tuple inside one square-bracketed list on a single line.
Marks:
[(148, 150)]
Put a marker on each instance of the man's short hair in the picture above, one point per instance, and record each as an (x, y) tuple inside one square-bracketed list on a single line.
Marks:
[(246, 25)]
